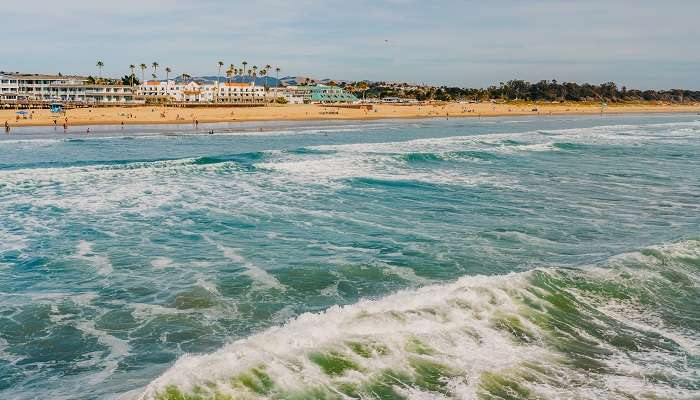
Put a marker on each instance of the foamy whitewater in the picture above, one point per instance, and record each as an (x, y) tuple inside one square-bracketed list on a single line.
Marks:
[(537, 258)]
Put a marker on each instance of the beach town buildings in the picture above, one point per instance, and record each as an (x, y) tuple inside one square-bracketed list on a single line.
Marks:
[(195, 92), (18, 88), (323, 94), (37, 89), (294, 94), (330, 94), (239, 93)]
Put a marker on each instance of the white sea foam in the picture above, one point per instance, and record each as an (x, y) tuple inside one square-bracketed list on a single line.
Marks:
[(394, 321), (261, 278), (101, 263), (467, 330), (161, 262)]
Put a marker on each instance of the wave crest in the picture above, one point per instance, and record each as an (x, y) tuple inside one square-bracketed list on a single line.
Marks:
[(547, 333)]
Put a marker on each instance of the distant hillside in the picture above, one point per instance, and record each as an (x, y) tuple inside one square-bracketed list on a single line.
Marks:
[(300, 80), (296, 80), (270, 81)]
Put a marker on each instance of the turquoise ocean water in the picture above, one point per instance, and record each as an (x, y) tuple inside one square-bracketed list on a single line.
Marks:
[(503, 258)]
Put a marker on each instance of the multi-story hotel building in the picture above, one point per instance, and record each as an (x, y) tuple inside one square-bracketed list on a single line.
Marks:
[(194, 92), (36, 88)]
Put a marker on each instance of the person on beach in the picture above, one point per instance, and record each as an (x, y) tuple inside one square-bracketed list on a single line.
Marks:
[(88, 130), (7, 127)]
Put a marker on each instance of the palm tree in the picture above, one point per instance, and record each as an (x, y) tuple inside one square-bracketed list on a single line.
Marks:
[(267, 69), (218, 79), (155, 69), (277, 80), (263, 72), (229, 73), (244, 64), (167, 85), (143, 73), (255, 71), (100, 65), (221, 64), (132, 67)]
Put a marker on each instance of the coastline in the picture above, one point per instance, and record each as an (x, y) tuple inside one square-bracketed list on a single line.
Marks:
[(156, 115)]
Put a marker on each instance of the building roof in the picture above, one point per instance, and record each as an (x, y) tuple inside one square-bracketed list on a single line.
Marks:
[(237, 84)]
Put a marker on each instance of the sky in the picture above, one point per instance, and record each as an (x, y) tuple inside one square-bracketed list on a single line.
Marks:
[(641, 44)]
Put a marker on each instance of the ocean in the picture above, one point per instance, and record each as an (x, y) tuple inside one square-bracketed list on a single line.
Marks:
[(500, 258)]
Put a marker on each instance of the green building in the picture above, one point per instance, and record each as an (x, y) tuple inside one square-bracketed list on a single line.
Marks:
[(330, 94)]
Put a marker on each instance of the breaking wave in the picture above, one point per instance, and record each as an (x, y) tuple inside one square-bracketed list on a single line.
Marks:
[(624, 330)]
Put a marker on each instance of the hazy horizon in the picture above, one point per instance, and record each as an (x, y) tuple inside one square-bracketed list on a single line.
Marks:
[(643, 45)]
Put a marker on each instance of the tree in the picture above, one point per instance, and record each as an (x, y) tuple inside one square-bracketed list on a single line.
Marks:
[(129, 80), (167, 75), (363, 86), (277, 79), (155, 69), (143, 72), (244, 65), (100, 65), (263, 73), (267, 70), (218, 76), (132, 67)]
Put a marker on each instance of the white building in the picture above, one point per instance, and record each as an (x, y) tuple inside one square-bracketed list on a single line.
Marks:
[(234, 92), (294, 94), (9, 89), (193, 92), (35, 88)]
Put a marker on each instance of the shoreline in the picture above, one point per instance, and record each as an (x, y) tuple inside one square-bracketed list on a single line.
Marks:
[(160, 115)]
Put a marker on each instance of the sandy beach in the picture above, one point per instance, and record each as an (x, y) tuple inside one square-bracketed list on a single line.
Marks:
[(175, 115)]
